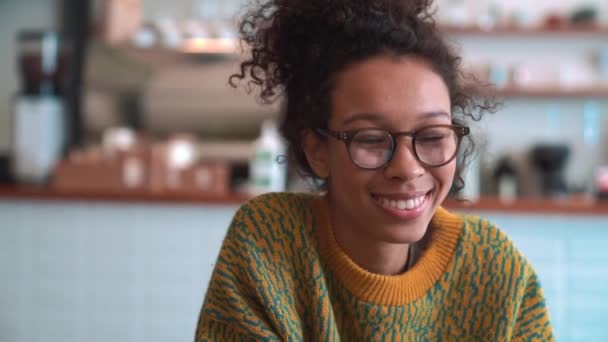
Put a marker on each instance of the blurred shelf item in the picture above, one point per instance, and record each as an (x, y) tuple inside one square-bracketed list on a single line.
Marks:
[(129, 162), (594, 30), (220, 46), (169, 41), (538, 206)]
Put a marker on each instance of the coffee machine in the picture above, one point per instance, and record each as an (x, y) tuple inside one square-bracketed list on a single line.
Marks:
[(550, 160)]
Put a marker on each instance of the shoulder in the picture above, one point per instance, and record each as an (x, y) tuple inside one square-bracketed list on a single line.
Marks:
[(273, 205), (480, 231), (279, 200), (273, 215), (487, 259), (492, 247)]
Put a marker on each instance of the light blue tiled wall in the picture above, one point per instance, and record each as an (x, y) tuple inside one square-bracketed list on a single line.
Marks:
[(110, 272), (105, 272)]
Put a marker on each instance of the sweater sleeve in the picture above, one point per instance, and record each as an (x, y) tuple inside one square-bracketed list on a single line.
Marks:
[(233, 310), (210, 330), (532, 320)]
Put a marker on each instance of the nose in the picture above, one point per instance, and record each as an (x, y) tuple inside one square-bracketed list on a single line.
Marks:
[(404, 165)]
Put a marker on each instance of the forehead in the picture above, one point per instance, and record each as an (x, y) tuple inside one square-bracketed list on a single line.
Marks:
[(395, 88)]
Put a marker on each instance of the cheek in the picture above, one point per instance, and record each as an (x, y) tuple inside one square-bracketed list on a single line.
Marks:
[(345, 176), (445, 175), (339, 162), (451, 170)]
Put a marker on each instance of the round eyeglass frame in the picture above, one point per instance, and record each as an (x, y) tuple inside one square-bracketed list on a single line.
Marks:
[(348, 136)]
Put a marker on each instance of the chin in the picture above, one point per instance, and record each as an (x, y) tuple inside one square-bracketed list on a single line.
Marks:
[(398, 234)]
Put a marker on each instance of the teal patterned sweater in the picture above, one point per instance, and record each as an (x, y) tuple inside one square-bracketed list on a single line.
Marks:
[(281, 276)]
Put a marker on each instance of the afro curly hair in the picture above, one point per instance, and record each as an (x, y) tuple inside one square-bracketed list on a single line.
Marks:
[(298, 47)]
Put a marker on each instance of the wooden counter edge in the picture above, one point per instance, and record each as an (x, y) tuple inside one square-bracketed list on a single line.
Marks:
[(569, 206), (574, 205), (167, 197)]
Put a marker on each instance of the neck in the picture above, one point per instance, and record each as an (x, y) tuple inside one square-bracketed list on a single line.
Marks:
[(374, 256), (438, 246)]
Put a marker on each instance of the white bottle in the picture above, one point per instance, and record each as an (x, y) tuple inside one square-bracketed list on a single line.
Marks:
[(39, 137), (268, 169)]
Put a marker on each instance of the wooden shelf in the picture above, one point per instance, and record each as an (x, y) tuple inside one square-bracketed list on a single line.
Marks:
[(595, 92), (195, 52), (599, 31)]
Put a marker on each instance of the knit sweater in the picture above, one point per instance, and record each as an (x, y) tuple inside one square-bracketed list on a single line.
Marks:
[(281, 276)]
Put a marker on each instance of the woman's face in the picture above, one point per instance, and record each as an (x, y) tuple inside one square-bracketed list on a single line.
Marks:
[(395, 94)]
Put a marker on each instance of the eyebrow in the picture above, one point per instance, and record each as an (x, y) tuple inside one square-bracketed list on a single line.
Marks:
[(375, 117)]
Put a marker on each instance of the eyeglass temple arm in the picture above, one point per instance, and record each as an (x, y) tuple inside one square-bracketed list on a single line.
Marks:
[(328, 133)]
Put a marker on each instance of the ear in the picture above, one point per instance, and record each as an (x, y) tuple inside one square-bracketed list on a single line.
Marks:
[(317, 154)]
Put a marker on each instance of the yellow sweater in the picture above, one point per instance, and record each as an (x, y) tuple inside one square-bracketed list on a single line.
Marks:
[(282, 276)]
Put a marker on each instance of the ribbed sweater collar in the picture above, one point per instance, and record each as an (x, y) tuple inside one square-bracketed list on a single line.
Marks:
[(398, 289)]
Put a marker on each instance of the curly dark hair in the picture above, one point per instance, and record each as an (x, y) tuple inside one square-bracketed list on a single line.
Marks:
[(298, 47)]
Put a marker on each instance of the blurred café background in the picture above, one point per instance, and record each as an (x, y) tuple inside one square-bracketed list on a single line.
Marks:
[(124, 154)]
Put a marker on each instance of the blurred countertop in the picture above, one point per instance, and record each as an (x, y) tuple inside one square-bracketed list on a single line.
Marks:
[(574, 205), (39, 193), (566, 206)]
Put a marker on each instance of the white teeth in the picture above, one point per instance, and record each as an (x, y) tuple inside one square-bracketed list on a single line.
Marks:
[(409, 204)]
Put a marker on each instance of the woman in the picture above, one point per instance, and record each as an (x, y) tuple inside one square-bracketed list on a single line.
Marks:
[(376, 111)]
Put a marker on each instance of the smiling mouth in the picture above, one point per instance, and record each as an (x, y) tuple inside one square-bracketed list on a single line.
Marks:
[(402, 204)]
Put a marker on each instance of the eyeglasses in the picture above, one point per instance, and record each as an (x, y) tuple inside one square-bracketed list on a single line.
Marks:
[(372, 148)]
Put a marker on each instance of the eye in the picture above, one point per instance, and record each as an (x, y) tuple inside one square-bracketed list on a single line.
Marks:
[(434, 135), (371, 138), (431, 138)]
